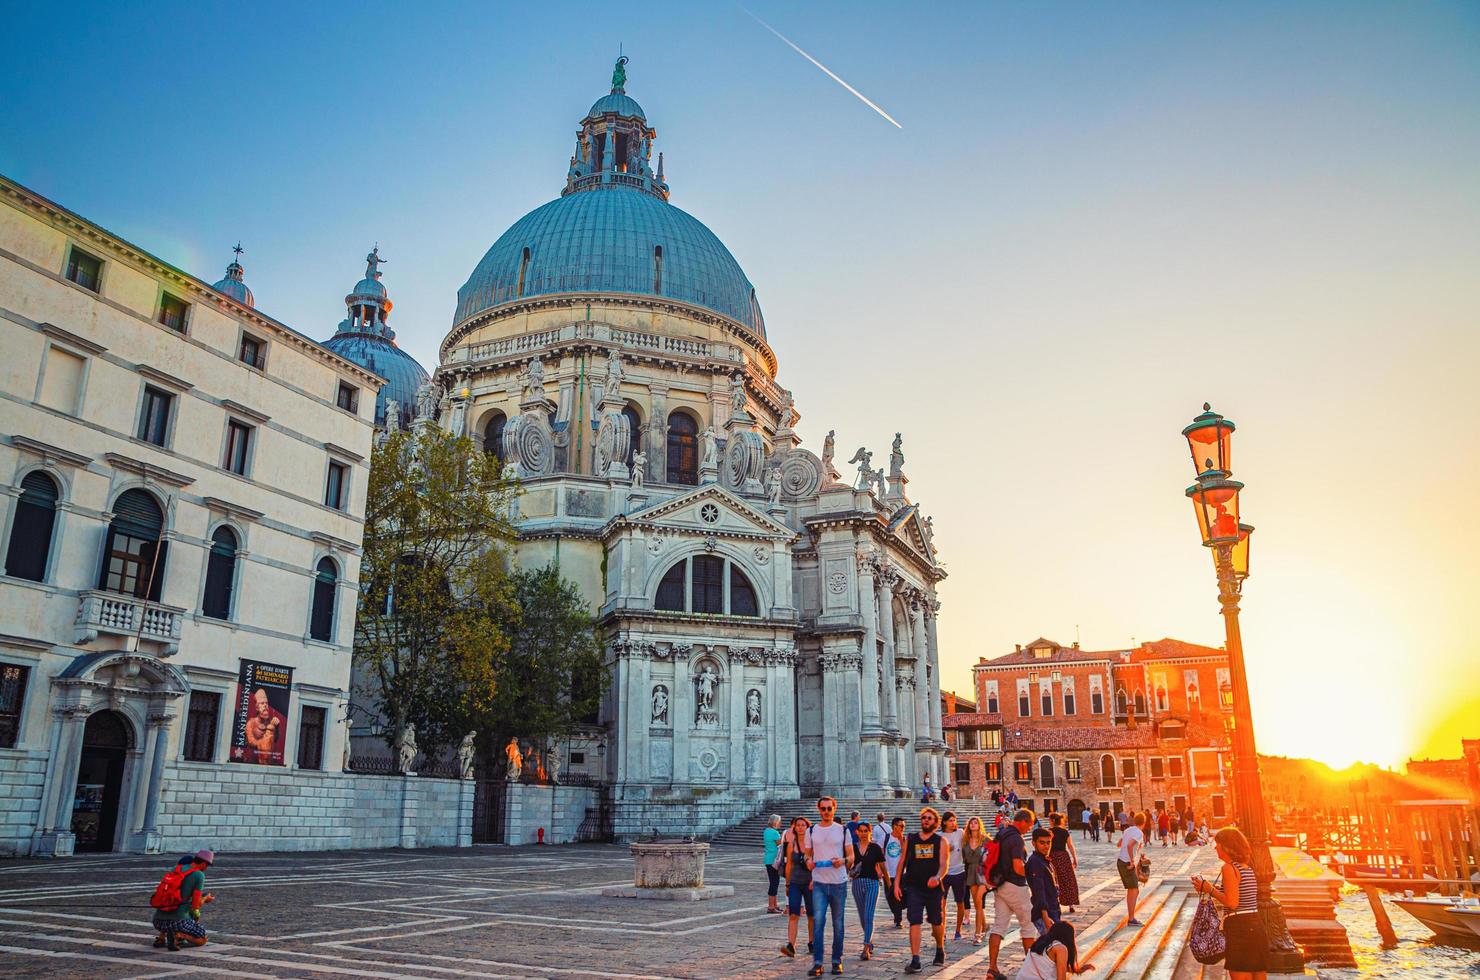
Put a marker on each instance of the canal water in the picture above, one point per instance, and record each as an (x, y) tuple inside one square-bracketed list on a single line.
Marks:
[(1416, 956)]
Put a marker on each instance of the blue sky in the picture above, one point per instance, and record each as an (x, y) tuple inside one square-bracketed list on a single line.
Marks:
[(1094, 218)]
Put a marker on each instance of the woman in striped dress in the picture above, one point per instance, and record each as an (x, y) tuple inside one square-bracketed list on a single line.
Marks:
[(1064, 860), (1243, 927)]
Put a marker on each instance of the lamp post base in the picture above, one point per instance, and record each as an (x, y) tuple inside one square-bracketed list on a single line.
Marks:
[(1284, 955)]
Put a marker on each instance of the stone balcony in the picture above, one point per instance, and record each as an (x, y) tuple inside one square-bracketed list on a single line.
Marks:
[(110, 613)]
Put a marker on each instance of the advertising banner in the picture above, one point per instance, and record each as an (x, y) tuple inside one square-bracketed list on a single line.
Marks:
[(261, 726)]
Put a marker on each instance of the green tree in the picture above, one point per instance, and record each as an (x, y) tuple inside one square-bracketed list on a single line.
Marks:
[(435, 596), (551, 676)]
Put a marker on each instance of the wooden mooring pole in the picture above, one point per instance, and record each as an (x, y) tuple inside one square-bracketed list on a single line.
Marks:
[(1379, 912)]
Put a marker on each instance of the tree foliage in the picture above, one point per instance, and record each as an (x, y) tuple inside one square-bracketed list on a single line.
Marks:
[(436, 597), (551, 675)]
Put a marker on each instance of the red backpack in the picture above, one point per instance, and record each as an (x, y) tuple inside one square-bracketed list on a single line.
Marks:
[(992, 861), (167, 893)]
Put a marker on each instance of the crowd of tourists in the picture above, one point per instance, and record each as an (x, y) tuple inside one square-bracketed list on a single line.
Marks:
[(1024, 869)]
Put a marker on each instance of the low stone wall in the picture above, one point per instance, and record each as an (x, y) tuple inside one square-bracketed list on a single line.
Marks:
[(22, 774), (560, 810), (259, 808), (681, 816)]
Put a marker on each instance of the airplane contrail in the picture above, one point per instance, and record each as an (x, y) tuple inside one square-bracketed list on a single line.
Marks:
[(825, 69)]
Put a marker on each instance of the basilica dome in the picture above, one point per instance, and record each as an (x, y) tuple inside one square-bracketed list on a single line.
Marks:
[(613, 231), (365, 338), (234, 284)]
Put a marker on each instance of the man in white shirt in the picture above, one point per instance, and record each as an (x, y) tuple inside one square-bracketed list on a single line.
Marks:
[(1132, 843), (955, 883), (829, 855), (893, 845)]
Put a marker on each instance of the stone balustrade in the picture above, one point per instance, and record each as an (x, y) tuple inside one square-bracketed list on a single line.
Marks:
[(100, 612), (633, 340)]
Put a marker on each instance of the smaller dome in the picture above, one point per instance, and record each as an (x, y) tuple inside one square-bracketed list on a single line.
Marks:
[(368, 287), (234, 286), (618, 102)]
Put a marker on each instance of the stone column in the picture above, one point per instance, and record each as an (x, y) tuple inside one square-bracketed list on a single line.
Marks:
[(905, 682), (923, 685), (466, 791), (74, 719), (936, 728), (149, 839), (735, 722), (831, 720), (885, 599), (870, 651), (410, 803)]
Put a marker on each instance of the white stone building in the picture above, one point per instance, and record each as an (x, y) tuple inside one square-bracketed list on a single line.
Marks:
[(182, 486), (771, 627)]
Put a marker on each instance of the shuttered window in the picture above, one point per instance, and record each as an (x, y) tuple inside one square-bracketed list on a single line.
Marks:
[(200, 726), (321, 620), (30, 531), (220, 574), (311, 738), (133, 554)]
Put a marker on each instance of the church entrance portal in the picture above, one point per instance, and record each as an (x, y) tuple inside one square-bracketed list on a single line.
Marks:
[(105, 743)]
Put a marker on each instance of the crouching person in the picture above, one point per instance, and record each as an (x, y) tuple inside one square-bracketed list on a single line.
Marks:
[(177, 901)]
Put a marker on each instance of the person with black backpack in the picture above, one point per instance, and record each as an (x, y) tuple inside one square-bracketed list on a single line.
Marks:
[(1008, 875), (177, 900)]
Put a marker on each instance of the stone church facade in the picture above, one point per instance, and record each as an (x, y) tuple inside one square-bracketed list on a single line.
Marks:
[(771, 627)]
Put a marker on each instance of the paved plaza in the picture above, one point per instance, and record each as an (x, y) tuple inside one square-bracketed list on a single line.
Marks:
[(484, 912)]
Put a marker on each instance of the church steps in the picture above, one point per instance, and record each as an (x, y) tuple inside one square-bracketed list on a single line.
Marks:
[(1154, 954)]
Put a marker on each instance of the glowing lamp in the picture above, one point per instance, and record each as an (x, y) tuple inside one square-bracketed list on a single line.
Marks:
[(1215, 501), (1210, 439), (1225, 696), (1240, 553)]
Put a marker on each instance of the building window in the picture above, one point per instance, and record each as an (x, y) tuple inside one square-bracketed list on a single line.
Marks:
[(133, 552), (992, 739), (220, 574), (1120, 701), (200, 726), (671, 589), (172, 312), (1096, 702), (238, 447), (1128, 768), (154, 417), (1071, 770), (1046, 697), (1158, 770), (253, 352), (742, 595), (1023, 704), (577, 758), (325, 583), (1219, 809), (311, 738), (1174, 766), (1162, 702), (992, 705), (348, 397), (1107, 771), (335, 485), (966, 739), (707, 591), (61, 380), (683, 449), (1140, 702), (85, 270), (1069, 701), (13, 679), (634, 430), (31, 527), (523, 268), (658, 270), (994, 772), (963, 774), (1045, 772), (1023, 771)]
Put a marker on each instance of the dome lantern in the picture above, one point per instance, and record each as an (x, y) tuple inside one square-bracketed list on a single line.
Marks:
[(234, 284), (614, 147), (364, 338)]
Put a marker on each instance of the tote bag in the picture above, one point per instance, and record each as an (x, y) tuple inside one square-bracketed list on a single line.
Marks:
[(1207, 941)]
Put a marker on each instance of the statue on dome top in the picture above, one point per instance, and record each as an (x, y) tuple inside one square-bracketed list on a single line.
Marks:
[(619, 75), (373, 262)]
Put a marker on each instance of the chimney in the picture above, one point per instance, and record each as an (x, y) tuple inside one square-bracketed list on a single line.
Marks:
[(1017, 648), (1076, 644)]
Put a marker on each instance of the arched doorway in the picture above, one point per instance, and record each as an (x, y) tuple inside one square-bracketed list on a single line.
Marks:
[(1076, 813), (105, 744)]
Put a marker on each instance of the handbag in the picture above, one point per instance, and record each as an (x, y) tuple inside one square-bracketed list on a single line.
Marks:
[(1206, 939), (1143, 868)]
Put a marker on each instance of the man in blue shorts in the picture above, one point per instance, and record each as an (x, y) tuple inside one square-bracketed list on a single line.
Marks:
[(922, 870)]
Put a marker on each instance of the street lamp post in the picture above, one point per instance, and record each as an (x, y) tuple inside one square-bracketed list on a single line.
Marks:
[(1215, 499)]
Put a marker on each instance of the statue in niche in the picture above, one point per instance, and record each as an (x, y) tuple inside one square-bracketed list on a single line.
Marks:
[(710, 455), (465, 756), (737, 393), (406, 748), (705, 685), (752, 708), (392, 416), (614, 375), (660, 705), (514, 759), (773, 486), (639, 468), (896, 457), (552, 767), (534, 380)]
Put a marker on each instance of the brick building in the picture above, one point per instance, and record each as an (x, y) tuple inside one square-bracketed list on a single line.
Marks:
[(1071, 729)]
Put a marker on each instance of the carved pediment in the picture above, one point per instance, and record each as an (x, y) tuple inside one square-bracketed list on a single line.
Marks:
[(909, 527), (710, 509)]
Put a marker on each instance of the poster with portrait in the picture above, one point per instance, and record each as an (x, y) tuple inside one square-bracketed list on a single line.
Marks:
[(261, 727)]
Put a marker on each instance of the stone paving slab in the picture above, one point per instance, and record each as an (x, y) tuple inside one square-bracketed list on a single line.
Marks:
[(479, 912)]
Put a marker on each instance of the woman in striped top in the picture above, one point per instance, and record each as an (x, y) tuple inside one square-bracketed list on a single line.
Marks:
[(1248, 943)]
